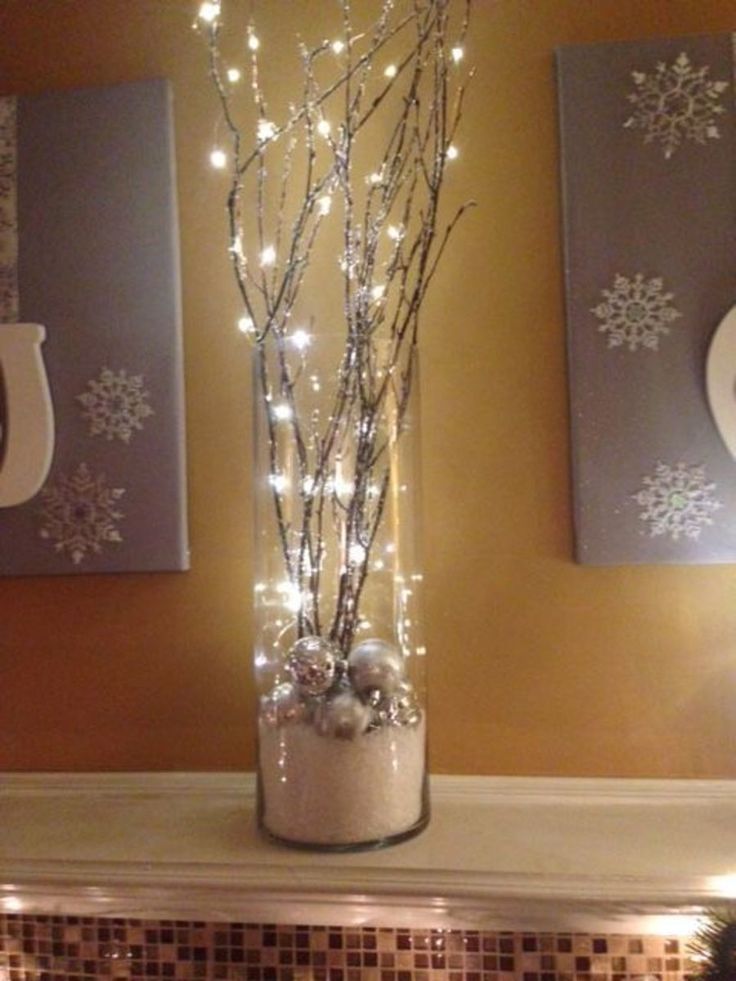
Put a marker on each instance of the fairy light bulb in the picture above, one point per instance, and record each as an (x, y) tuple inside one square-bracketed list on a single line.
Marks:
[(324, 204), (268, 256), (452, 152), (356, 554), (209, 12), (278, 482), (266, 130), (394, 233), (375, 178), (323, 127), (300, 339), (253, 42), (245, 325), (282, 412), (378, 291), (233, 74), (218, 159), (390, 71), (338, 47), (457, 53)]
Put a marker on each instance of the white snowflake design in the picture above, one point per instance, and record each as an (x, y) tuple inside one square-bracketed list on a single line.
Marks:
[(674, 103), (80, 513), (115, 404), (677, 501), (635, 312)]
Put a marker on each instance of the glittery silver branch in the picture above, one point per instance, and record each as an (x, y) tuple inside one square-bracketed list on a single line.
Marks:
[(392, 238)]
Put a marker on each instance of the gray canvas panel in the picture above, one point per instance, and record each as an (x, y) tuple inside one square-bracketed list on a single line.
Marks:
[(98, 267), (648, 143)]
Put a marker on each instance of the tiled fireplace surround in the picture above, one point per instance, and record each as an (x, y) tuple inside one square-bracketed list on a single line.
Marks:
[(69, 948), (155, 876)]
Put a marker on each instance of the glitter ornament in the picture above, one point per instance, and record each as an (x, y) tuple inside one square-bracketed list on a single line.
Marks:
[(312, 664), (374, 665), (282, 705), (400, 709), (343, 716)]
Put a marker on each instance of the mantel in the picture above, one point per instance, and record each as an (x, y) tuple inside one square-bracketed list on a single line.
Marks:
[(500, 853)]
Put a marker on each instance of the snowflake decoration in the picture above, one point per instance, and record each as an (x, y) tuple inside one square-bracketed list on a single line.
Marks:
[(674, 103), (79, 514), (635, 312), (677, 501), (115, 404)]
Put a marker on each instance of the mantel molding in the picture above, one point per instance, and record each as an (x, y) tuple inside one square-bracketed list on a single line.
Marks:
[(501, 852)]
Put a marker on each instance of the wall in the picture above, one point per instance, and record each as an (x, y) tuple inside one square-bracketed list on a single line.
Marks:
[(538, 666)]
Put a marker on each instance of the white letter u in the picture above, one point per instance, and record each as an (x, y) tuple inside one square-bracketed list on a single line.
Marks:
[(27, 443)]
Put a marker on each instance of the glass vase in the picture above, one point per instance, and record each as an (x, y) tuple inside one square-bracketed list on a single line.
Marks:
[(339, 647)]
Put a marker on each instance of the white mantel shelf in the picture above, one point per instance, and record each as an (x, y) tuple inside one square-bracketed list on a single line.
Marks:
[(500, 853)]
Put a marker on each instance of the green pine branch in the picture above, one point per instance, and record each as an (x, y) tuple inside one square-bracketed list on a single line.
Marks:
[(714, 946)]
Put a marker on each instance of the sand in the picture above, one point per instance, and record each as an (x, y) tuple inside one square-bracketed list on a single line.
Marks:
[(320, 790)]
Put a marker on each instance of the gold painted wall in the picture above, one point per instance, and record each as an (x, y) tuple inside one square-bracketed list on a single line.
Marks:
[(537, 665)]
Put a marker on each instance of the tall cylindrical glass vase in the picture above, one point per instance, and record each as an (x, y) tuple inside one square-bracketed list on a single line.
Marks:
[(339, 646)]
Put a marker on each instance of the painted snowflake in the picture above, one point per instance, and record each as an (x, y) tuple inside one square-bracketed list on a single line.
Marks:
[(115, 404), (674, 103), (677, 501), (635, 312), (80, 514)]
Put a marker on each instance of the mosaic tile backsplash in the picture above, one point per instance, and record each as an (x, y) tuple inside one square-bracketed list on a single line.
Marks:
[(68, 948)]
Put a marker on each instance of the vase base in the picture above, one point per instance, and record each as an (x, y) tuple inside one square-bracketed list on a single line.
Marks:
[(358, 846)]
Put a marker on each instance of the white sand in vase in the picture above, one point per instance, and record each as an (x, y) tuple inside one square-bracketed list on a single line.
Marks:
[(325, 791)]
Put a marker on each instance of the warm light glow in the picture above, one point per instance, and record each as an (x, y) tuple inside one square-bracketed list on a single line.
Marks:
[(209, 12), (11, 904), (218, 159), (390, 71), (394, 233), (357, 554), (324, 204), (723, 885), (278, 482), (338, 47), (323, 127), (378, 291), (266, 130), (457, 54), (452, 152), (233, 74), (375, 178), (292, 596), (253, 42), (301, 339), (282, 412), (268, 256), (245, 325)]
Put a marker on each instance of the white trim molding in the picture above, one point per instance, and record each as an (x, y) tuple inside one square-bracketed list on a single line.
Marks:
[(500, 853)]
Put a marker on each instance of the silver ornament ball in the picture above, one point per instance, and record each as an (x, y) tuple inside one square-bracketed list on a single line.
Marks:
[(312, 664), (343, 716), (374, 665), (282, 705)]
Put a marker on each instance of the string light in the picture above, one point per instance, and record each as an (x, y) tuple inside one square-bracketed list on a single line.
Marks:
[(278, 482), (233, 74), (268, 256), (266, 130), (457, 54), (301, 339), (375, 178), (394, 233), (253, 42), (282, 412), (323, 127), (209, 12), (324, 204), (356, 554), (452, 152), (245, 325), (378, 291), (390, 71), (338, 47), (218, 159)]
